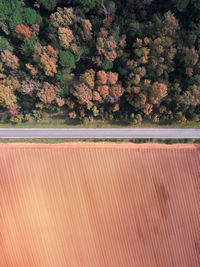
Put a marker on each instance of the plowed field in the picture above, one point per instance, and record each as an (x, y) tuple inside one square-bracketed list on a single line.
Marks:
[(99, 205)]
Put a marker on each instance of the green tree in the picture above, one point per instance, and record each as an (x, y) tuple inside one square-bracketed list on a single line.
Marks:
[(15, 19), (7, 7), (30, 16), (67, 59), (180, 4), (4, 44), (28, 46), (87, 3), (48, 4)]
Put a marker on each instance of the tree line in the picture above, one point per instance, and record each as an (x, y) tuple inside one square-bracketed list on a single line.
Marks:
[(100, 59)]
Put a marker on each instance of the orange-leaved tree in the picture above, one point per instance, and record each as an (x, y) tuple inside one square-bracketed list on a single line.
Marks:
[(47, 57)]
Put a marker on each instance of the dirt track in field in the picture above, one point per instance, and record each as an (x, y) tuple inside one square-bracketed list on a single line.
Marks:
[(99, 205)]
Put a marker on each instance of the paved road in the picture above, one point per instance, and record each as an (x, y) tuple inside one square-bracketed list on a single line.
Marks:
[(98, 133)]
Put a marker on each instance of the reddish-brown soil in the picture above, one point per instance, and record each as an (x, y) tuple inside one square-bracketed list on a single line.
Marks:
[(99, 205)]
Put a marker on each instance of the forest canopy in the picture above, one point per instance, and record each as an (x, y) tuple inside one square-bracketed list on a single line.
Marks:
[(100, 59)]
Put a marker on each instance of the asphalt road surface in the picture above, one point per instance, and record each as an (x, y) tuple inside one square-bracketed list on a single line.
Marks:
[(98, 133)]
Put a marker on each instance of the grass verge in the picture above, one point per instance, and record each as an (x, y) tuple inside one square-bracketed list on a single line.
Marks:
[(101, 124), (97, 140)]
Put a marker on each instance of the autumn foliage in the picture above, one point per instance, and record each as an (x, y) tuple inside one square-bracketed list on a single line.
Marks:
[(83, 93), (46, 56), (25, 32), (49, 93), (8, 100), (106, 46), (65, 36), (88, 59), (9, 60)]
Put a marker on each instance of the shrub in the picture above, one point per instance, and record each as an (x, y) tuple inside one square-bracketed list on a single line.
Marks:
[(138, 118), (28, 118), (17, 119), (37, 115)]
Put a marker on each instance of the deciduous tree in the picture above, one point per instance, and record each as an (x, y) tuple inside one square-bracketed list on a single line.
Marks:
[(46, 56), (9, 60)]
